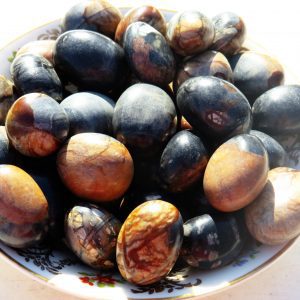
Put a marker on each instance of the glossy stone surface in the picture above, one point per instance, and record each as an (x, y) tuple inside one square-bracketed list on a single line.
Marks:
[(89, 112), (255, 73), (149, 242), (182, 162), (212, 241), (95, 166), (95, 15), (208, 63), (274, 217), (214, 107), (41, 47), (144, 119), (91, 233), (33, 73), (236, 173), (190, 33), (147, 14), (36, 125), (230, 33), (7, 97), (148, 54), (276, 154), (23, 208), (89, 60), (277, 111)]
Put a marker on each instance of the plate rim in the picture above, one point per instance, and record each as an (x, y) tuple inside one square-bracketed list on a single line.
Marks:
[(241, 279)]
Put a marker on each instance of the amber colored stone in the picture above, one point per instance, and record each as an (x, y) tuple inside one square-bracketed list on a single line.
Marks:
[(23, 208), (16, 185), (95, 166), (190, 33), (274, 217), (236, 173), (149, 242), (147, 14)]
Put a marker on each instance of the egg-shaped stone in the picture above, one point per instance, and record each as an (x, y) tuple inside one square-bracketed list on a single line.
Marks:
[(236, 173), (190, 32), (32, 73), (276, 112), (145, 13), (255, 73), (89, 60), (23, 208), (95, 166), (144, 119), (230, 33), (36, 125), (149, 242), (148, 54), (91, 233), (182, 162), (214, 107), (212, 241), (274, 217)]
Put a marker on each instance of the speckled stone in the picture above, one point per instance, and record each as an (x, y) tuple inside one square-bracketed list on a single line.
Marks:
[(148, 54), (147, 14), (190, 33)]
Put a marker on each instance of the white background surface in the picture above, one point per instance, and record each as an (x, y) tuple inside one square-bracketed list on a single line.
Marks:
[(274, 24)]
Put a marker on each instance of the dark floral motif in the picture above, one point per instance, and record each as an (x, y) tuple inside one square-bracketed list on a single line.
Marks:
[(99, 280), (175, 281), (50, 34), (44, 258), (251, 254)]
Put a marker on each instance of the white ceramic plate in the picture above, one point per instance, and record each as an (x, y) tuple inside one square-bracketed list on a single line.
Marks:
[(61, 270)]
